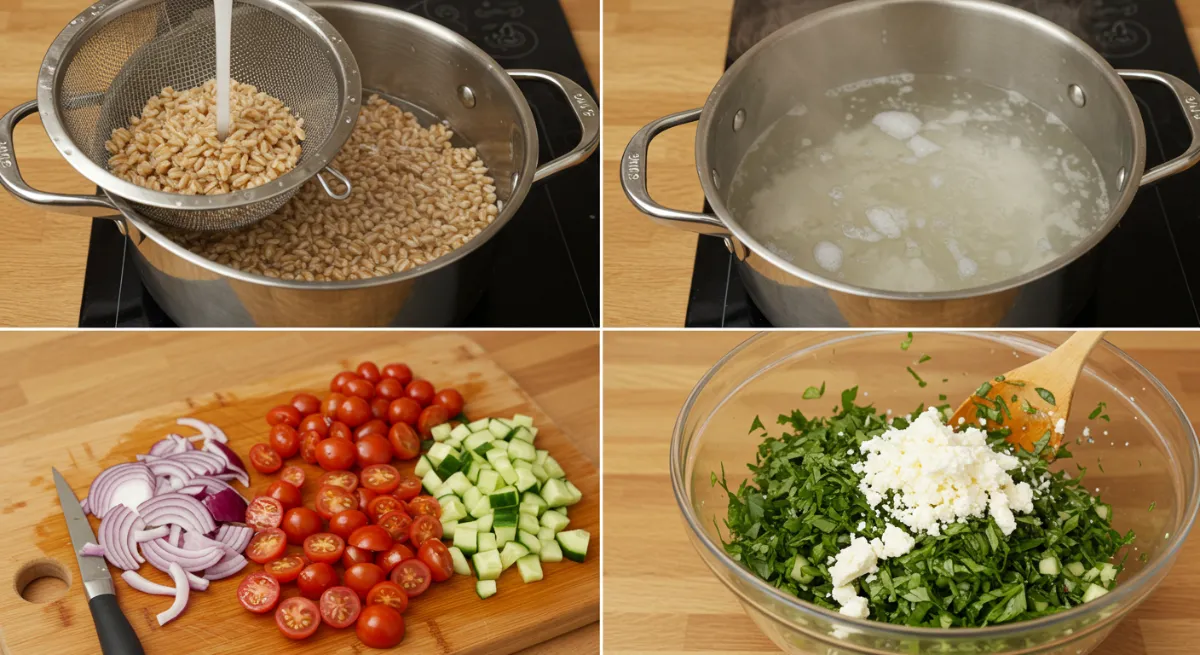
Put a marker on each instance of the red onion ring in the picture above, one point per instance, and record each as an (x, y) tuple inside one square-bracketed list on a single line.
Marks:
[(227, 567), (91, 550), (177, 508), (182, 589), (160, 559), (236, 537), (115, 479)]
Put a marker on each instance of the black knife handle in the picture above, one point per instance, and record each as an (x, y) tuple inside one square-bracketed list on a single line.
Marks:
[(116, 635)]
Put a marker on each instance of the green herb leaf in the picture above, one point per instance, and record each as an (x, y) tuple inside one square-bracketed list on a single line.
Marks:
[(941, 396), (757, 425), (1152, 505), (813, 393), (916, 377), (1045, 394), (907, 342), (983, 390), (924, 358), (1099, 410), (1027, 408)]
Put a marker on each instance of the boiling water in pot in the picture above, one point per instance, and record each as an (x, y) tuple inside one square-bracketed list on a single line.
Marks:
[(919, 183)]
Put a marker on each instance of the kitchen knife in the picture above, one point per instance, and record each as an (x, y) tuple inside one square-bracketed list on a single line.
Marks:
[(116, 635)]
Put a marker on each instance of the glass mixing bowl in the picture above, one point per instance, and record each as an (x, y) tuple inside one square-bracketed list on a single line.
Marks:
[(1148, 452)]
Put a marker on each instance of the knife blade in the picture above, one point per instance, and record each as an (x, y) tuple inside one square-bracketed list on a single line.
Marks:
[(116, 635)]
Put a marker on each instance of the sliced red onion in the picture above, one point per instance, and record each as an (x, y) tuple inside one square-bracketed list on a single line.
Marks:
[(114, 535), (136, 581), (153, 533), (233, 463), (125, 484), (162, 486), (200, 462), (192, 490), (175, 534), (177, 508), (227, 567), (83, 505), (182, 589), (170, 467), (207, 430), (236, 537), (192, 541), (196, 582), (226, 505), (212, 485), (92, 550), (160, 558), (164, 447), (184, 554), (131, 540)]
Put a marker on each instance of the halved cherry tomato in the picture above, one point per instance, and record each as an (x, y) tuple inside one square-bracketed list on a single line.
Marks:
[(284, 440), (331, 500), (286, 568), (420, 391), (324, 547), (264, 459), (389, 389), (425, 505), (315, 579), (431, 417), (371, 537), (361, 577), (264, 513), (388, 593), (293, 475), (283, 414), (380, 626), (299, 523), (436, 556), (380, 478), (308, 445), (258, 592), (335, 454), (373, 449), (404, 410), (354, 556), (379, 408), (451, 399), (373, 426), (369, 371), (340, 606), (267, 546), (346, 522), (330, 405), (286, 493), (343, 479), (365, 496), (339, 381), (396, 524), (408, 488), (306, 403), (423, 529), (382, 505), (413, 576), (354, 411), (390, 558), (297, 618), (405, 443), (339, 430), (315, 423), (364, 389), (398, 372)]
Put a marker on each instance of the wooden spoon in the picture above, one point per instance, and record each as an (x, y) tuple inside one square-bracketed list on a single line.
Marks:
[(1038, 394)]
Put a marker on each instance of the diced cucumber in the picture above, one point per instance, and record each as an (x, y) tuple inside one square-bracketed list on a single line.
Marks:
[(534, 430), (556, 493), (481, 508), (460, 432), (541, 457), (448, 529), (453, 509), (481, 424), (471, 496), (1108, 572), (528, 523), (798, 573), (512, 552), (505, 517), (526, 480), (500, 445), (523, 434), (1048, 565), (506, 497), (477, 439), (471, 525), (499, 428), (1091, 574), (1092, 592), (551, 552), (439, 452), (466, 540), (530, 568), (522, 420), (519, 464), (531, 508), (485, 523), (460, 562), (431, 482), (574, 544), (576, 494), (496, 455), (485, 589), (533, 499), (449, 466), (1103, 510), (553, 469), (487, 564), (545, 534), (487, 541), (539, 473), (488, 481), (423, 466), (1075, 568), (506, 471), (521, 450), (505, 534), (529, 541), (441, 432), (459, 483), (473, 471), (444, 492), (555, 520)]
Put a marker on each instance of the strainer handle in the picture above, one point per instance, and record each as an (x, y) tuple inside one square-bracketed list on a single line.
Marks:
[(585, 111), (10, 175)]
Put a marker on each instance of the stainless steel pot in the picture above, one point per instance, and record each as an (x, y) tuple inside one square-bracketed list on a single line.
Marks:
[(987, 41), (437, 73)]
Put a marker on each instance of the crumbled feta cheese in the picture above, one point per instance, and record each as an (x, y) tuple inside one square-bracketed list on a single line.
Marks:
[(1087, 432), (852, 561), (1060, 426), (862, 525), (852, 604), (896, 542)]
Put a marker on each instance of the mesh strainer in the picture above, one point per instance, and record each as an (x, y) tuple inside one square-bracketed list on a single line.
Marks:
[(118, 53)]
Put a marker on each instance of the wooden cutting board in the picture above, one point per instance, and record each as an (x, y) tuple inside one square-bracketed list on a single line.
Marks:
[(449, 618)]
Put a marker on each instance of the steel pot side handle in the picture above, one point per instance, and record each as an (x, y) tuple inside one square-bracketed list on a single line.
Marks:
[(10, 175), (633, 179), (585, 112), (1189, 100)]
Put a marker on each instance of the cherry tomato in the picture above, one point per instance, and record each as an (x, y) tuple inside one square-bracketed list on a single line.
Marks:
[(297, 618), (388, 593), (324, 547), (258, 592), (423, 529), (267, 546), (436, 556), (306, 403), (420, 391), (371, 537), (264, 459), (369, 371), (380, 478), (299, 522), (425, 505), (389, 389), (383, 505), (364, 389), (396, 524), (398, 372), (373, 426), (285, 414), (286, 493), (339, 430), (365, 496), (343, 479), (315, 422), (293, 475), (354, 556), (284, 440), (373, 449), (286, 568), (264, 513), (404, 410), (408, 488), (308, 446), (405, 443), (413, 576), (335, 454), (390, 558), (361, 577), (379, 408), (338, 383), (431, 417), (330, 404), (451, 399), (331, 500), (347, 521), (380, 626), (340, 606), (315, 579), (354, 411)]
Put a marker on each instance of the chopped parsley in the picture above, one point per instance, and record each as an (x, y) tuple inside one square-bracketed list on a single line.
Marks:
[(924, 358), (812, 393), (1099, 412), (1045, 394), (907, 342), (921, 383)]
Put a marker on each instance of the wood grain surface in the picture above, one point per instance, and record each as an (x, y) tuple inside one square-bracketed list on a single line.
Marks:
[(43, 254), (660, 57), (83, 401), (681, 607)]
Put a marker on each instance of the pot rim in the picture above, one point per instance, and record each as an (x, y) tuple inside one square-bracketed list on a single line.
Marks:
[(1043, 26), (524, 181)]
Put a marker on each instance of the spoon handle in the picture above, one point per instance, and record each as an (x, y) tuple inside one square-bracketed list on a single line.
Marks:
[(1070, 356)]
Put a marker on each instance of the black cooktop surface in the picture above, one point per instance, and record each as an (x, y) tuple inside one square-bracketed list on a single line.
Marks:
[(547, 271), (1147, 271)]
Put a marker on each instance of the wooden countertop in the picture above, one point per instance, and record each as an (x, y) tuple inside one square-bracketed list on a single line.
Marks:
[(55, 380), (43, 254), (662, 57), (672, 603)]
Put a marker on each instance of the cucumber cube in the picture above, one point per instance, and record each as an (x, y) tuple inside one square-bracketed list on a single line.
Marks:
[(530, 568), (439, 452), (553, 469), (501, 445), (453, 509), (528, 523), (481, 424), (556, 493), (519, 464), (448, 529), (460, 562), (574, 544), (481, 508), (576, 494), (460, 432), (474, 470), (505, 517), (423, 466), (471, 496), (530, 498), (431, 482), (477, 439), (505, 534), (551, 552), (541, 457), (539, 473), (487, 564), (487, 541), (472, 525), (497, 455), (532, 508), (523, 435), (518, 449), (529, 541), (485, 523), (555, 520), (545, 534), (526, 480), (499, 428), (458, 483), (449, 466), (522, 420), (512, 552), (506, 471), (488, 481), (441, 432), (466, 540), (485, 589), (506, 497)]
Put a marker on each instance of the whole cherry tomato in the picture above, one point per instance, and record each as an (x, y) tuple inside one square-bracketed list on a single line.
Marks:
[(419, 390), (373, 426), (364, 389), (380, 626), (354, 411), (306, 403), (379, 408), (315, 422), (347, 521), (369, 371), (354, 556), (330, 405), (373, 449), (370, 537), (390, 558), (339, 430), (404, 410), (285, 440), (398, 372), (338, 383), (389, 389), (283, 414), (334, 454), (299, 523), (436, 556), (315, 579), (405, 443), (431, 417), (361, 577), (286, 493), (451, 400)]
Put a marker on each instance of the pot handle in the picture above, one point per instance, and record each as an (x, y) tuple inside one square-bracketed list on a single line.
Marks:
[(1189, 100), (585, 111), (633, 179), (10, 175)]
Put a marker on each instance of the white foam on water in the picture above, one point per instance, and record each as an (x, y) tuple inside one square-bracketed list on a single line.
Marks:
[(897, 124), (828, 256)]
